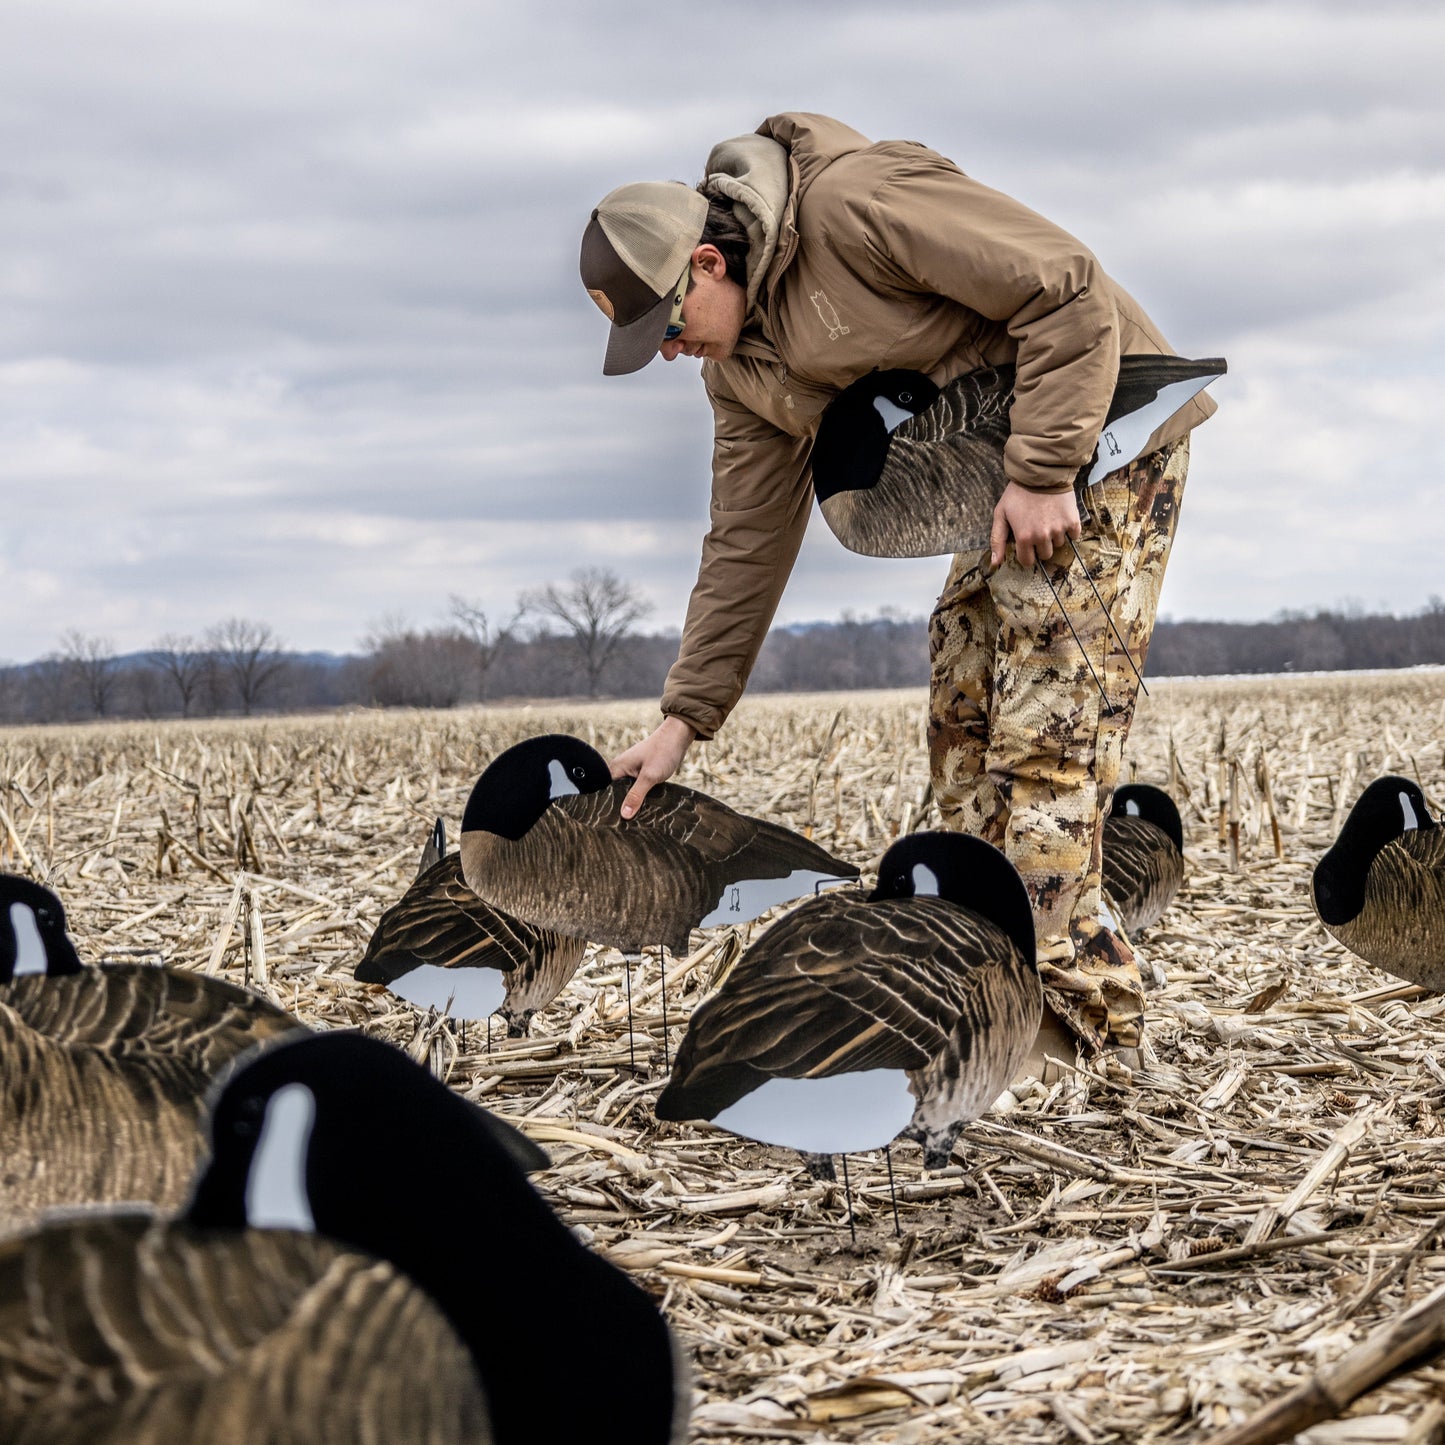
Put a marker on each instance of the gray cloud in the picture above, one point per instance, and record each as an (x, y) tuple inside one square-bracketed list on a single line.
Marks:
[(291, 324)]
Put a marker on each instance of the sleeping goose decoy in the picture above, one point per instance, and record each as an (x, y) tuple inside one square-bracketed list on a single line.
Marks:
[(1380, 890), (102, 1070), (543, 839), (1143, 855), (362, 1258), (904, 469), (439, 946), (853, 1019)]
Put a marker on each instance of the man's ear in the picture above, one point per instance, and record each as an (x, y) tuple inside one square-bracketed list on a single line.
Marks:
[(709, 260)]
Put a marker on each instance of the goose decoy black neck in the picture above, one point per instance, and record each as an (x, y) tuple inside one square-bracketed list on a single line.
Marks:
[(964, 870), (1388, 809), (1153, 805), (33, 939), (519, 784), (849, 452), (333, 1133)]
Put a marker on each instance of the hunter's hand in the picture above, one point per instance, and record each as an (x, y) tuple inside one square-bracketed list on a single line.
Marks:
[(652, 761), (1037, 521)]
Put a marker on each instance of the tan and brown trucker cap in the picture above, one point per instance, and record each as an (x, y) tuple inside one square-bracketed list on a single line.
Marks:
[(635, 254)]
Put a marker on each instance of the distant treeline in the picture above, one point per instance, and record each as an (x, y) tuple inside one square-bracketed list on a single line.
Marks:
[(240, 668)]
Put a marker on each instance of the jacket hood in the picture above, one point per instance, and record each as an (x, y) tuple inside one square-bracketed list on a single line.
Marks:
[(764, 175)]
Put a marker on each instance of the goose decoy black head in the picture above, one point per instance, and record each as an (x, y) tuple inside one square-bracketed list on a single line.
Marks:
[(1153, 805), (896, 480), (518, 785), (854, 1018), (544, 840), (33, 939), (347, 1137), (1380, 889), (853, 436)]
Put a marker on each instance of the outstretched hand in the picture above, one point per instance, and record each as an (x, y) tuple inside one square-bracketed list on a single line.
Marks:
[(655, 759), (1037, 521)]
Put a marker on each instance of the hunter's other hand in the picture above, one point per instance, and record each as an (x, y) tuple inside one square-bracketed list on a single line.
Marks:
[(1037, 521), (655, 759)]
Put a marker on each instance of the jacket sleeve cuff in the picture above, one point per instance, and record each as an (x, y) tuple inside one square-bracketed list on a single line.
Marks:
[(703, 720)]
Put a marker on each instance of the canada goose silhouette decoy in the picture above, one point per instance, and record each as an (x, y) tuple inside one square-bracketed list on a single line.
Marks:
[(439, 946), (362, 1258), (1143, 855), (902, 468), (1380, 890), (103, 1069), (853, 1019), (544, 839)]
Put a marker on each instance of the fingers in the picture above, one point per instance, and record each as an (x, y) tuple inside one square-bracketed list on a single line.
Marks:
[(998, 537), (635, 794)]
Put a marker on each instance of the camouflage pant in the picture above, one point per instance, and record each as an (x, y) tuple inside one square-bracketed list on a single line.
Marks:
[(1023, 753)]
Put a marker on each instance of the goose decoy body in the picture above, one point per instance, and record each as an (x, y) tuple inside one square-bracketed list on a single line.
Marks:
[(439, 946), (853, 1019), (103, 1069), (1143, 855), (1380, 890), (904, 468), (544, 839), (362, 1258)]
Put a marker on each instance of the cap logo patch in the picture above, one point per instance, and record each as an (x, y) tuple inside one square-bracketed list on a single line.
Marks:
[(603, 304)]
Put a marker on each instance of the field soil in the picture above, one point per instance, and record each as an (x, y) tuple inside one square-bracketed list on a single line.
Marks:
[(1146, 1255)]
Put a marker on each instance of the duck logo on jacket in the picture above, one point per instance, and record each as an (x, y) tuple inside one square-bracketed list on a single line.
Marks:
[(828, 315)]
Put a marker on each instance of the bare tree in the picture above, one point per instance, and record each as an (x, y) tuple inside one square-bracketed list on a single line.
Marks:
[(92, 662), (184, 662), (408, 668), (598, 608), (249, 653), (488, 641)]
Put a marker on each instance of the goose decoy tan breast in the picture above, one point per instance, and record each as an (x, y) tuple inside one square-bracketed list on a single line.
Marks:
[(362, 1258), (102, 1070), (852, 1019), (439, 946), (902, 468), (1380, 890), (543, 839), (1143, 855)]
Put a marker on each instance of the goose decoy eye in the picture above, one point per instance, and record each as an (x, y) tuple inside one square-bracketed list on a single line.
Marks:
[(578, 771), (904, 397), (248, 1118)]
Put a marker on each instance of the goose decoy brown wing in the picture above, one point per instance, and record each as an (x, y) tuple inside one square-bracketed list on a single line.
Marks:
[(432, 944), (839, 985), (128, 1327), (1142, 871)]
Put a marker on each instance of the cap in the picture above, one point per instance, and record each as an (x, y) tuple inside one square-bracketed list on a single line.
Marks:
[(635, 252)]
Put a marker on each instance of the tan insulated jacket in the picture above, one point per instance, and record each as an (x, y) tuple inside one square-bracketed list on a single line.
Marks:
[(868, 256)]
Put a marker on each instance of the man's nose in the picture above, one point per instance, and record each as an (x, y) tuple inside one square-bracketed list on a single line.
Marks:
[(670, 350)]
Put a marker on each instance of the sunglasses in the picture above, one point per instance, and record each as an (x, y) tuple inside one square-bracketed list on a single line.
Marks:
[(675, 324)]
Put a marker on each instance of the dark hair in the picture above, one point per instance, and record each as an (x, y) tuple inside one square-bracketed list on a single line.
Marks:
[(727, 233)]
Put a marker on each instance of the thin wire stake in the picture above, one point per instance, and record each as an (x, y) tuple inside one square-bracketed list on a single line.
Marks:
[(462, 1036), (848, 1195), (662, 964), (1043, 572), (1124, 646), (892, 1193), (489, 1033), (631, 1047)]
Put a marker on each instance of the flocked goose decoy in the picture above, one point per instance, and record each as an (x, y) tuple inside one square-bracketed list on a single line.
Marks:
[(1143, 855), (439, 946), (855, 1018), (103, 1069), (362, 1259), (543, 838), (904, 469), (1380, 889)]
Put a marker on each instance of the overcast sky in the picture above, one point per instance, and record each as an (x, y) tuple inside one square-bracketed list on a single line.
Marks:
[(290, 324)]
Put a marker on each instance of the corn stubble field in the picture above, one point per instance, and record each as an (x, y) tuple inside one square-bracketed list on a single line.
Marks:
[(1144, 1257)]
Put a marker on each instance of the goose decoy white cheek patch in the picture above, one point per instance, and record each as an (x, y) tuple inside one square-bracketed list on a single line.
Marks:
[(1131, 808), (844, 1114), (1407, 812), (893, 415), (925, 881), (30, 956), (464, 993), (276, 1195), (561, 785)]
